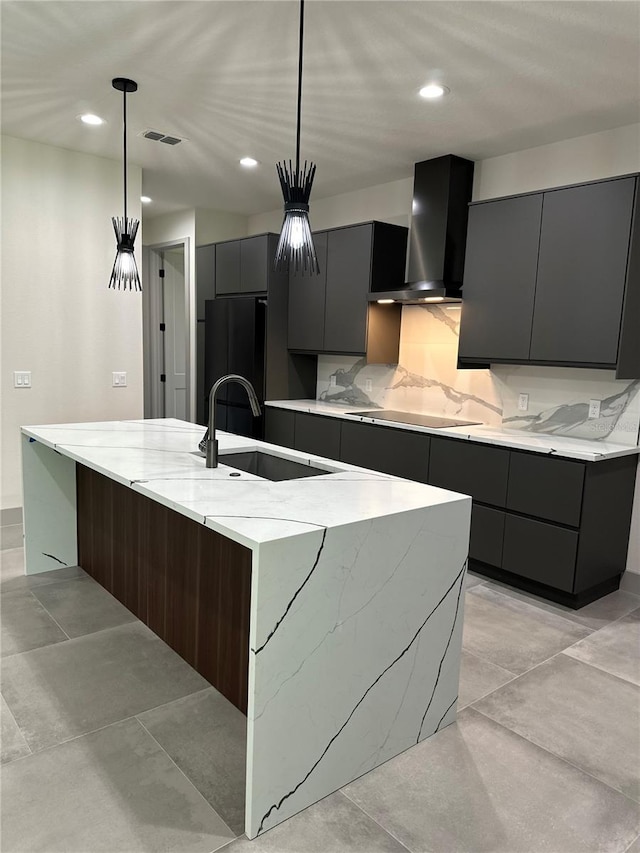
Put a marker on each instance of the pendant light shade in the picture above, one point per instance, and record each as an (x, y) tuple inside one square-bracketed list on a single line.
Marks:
[(124, 274), (296, 251)]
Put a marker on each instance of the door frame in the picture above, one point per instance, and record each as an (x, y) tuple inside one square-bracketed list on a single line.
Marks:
[(152, 311)]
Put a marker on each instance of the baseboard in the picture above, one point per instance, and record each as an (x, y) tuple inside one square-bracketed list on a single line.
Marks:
[(630, 582), (11, 515)]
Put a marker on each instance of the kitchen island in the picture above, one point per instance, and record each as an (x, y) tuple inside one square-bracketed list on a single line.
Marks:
[(328, 607)]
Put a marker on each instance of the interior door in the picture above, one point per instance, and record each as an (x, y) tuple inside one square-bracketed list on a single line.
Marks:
[(175, 347)]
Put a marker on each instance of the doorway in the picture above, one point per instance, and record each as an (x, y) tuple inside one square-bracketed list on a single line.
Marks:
[(166, 338)]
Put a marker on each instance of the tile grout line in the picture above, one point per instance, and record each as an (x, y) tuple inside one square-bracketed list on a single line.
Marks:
[(559, 757), (20, 732), (626, 849), (365, 812), (53, 619), (100, 728), (181, 771)]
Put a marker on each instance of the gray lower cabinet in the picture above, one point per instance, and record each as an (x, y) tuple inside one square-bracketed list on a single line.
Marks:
[(546, 487), (392, 451), (557, 527), (318, 435), (279, 427), (473, 469), (541, 552), (487, 535)]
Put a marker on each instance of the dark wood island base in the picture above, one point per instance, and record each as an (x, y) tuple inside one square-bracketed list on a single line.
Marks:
[(189, 584)]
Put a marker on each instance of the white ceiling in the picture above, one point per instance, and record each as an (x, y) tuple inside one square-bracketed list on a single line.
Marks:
[(223, 75)]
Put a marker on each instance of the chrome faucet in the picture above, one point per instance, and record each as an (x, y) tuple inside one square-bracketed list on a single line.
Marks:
[(209, 444)]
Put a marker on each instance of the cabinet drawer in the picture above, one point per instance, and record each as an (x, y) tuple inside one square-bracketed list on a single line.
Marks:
[(546, 487), (472, 469), (318, 434), (487, 534), (393, 451), (279, 426), (539, 551)]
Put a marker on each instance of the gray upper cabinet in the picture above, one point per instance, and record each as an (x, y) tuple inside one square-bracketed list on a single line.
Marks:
[(330, 312), (581, 273), (255, 264), (306, 302), (244, 266), (554, 278), (348, 275), (500, 278), (227, 267)]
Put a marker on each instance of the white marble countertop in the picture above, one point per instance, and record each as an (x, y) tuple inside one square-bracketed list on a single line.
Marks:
[(160, 459), (553, 445)]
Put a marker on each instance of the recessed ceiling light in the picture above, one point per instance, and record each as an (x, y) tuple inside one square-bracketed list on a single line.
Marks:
[(248, 162), (145, 199), (433, 90), (90, 118)]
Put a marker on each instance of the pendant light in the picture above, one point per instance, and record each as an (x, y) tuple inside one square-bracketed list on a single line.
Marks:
[(125, 270), (295, 247)]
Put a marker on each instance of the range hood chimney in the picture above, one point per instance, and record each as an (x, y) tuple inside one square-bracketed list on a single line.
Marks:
[(442, 190)]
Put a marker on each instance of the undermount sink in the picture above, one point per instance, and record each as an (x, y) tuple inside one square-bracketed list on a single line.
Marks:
[(270, 467)]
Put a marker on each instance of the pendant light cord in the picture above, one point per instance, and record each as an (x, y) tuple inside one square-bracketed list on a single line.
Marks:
[(299, 86), (124, 116)]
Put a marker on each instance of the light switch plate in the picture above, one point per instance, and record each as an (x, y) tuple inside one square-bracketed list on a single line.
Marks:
[(368, 386), (22, 379), (523, 402), (594, 409), (119, 380), (332, 381)]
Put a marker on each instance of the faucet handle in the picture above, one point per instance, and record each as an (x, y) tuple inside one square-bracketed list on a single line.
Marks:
[(202, 447)]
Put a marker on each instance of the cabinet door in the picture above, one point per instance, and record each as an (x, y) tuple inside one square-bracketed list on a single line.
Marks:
[(500, 279), (306, 303), (228, 267), (581, 273), (487, 534), (255, 264), (392, 451), (279, 427), (539, 551), (547, 488), (318, 435), (473, 469), (348, 276)]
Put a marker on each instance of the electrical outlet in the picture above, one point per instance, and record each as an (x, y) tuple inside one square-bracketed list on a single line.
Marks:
[(332, 381), (368, 386), (22, 379), (523, 402), (119, 380), (594, 408)]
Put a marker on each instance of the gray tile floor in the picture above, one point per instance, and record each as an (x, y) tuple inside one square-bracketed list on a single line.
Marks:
[(110, 742)]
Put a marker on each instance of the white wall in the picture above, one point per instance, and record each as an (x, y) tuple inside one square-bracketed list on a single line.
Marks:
[(213, 226), (59, 318), (570, 161)]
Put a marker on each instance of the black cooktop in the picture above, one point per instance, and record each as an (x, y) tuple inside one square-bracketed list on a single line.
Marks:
[(411, 418)]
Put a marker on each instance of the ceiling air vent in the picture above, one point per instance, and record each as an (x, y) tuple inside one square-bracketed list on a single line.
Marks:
[(161, 137)]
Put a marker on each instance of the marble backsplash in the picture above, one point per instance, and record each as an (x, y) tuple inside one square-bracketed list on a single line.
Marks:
[(426, 380)]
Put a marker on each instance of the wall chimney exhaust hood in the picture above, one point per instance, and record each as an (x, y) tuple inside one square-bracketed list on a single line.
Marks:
[(442, 190)]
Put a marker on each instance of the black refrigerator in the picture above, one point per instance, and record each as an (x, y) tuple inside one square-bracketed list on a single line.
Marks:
[(234, 342)]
